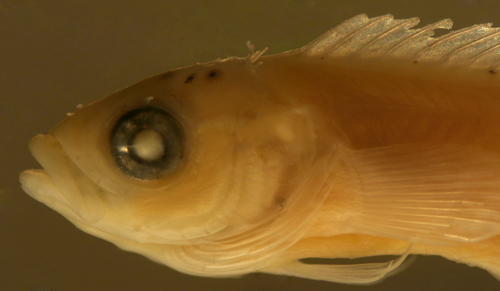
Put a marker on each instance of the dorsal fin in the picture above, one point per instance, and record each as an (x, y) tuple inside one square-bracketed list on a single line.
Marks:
[(384, 37)]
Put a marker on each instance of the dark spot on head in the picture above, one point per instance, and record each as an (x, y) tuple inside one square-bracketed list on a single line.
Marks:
[(189, 79), (166, 75), (492, 71), (213, 74), (415, 62), (322, 57), (281, 202)]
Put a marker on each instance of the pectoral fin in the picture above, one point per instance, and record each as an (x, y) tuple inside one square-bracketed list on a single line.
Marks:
[(426, 193), (349, 274)]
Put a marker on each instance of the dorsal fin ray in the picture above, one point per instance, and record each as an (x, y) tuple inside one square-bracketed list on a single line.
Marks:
[(385, 37)]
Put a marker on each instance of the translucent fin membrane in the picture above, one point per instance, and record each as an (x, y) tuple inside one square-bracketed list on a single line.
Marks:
[(349, 274), (476, 46), (431, 194)]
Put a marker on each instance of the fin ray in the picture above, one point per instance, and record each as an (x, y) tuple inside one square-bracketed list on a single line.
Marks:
[(385, 37), (432, 194), (348, 274)]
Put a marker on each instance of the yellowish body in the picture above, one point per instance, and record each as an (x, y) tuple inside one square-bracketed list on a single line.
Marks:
[(399, 105), (374, 139)]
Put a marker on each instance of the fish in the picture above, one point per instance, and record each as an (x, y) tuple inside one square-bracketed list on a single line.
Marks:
[(377, 138)]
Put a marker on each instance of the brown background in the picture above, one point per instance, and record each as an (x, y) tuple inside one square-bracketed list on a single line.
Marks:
[(55, 54)]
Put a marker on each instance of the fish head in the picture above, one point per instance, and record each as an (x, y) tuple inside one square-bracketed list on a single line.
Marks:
[(196, 154)]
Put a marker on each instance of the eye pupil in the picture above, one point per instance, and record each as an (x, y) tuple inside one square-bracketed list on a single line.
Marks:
[(147, 143)]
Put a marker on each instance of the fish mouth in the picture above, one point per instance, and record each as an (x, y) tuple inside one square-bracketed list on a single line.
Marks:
[(64, 187), (61, 185)]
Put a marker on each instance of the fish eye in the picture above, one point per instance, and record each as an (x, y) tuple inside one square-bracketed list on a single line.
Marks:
[(147, 143)]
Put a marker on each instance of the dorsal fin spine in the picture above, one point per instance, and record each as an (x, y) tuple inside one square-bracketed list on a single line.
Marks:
[(369, 24), (445, 24), (485, 52), (471, 43), (384, 37), (391, 30), (437, 41)]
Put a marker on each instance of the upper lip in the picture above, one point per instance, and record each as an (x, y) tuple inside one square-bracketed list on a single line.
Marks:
[(76, 191)]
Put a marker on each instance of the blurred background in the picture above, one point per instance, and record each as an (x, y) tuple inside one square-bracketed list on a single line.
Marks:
[(56, 54)]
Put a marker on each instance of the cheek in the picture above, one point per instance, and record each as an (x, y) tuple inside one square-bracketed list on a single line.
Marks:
[(202, 181)]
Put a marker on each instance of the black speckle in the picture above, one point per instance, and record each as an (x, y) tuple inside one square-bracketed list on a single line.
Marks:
[(322, 58), (213, 74), (492, 71), (415, 62), (189, 79)]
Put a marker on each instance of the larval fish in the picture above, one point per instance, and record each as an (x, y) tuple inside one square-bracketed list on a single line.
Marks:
[(374, 139)]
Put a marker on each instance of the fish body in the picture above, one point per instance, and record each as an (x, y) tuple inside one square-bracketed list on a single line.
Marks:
[(374, 139)]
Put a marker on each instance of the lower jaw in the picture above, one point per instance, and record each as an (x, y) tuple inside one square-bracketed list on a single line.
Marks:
[(70, 186)]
